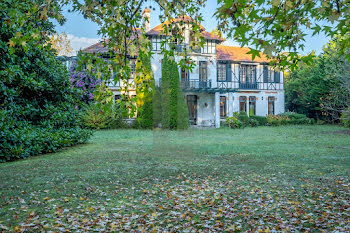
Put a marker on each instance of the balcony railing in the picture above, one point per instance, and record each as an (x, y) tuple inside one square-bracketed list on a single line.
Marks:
[(195, 84), (209, 86)]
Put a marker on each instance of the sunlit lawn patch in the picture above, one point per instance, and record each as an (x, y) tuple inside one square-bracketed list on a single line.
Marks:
[(268, 179)]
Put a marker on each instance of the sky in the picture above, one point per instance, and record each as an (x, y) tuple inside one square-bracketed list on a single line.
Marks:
[(83, 33)]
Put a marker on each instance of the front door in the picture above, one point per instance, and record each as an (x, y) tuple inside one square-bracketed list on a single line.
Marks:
[(192, 108)]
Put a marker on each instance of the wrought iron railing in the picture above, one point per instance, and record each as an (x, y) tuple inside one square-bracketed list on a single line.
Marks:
[(196, 84), (208, 85)]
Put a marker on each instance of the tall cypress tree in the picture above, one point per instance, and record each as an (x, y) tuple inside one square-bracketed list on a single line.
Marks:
[(174, 108), (144, 91)]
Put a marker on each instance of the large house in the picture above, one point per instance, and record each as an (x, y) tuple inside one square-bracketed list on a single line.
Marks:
[(225, 79)]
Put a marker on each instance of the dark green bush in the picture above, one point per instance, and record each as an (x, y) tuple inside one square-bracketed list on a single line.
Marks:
[(38, 106), (261, 119), (253, 122), (345, 117), (293, 115), (243, 117)]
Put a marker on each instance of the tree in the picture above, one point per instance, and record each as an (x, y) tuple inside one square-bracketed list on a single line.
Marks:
[(61, 44), (144, 92), (174, 108), (276, 26), (38, 112), (322, 89)]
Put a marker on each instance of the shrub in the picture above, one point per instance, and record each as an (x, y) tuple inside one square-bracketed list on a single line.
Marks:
[(345, 117), (293, 115), (261, 119), (253, 122), (243, 117), (274, 120), (233, 122), (37, 110), (86, 83), (102, 116)]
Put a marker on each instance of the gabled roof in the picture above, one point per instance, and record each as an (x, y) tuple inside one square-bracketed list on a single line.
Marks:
[(185, 18), (231, 53), (100, 48)]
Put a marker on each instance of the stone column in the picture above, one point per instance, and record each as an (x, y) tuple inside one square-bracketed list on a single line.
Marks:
[(217, 109), (230, 104)]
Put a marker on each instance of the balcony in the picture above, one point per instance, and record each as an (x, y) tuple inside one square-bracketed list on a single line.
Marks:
[(196, 85)]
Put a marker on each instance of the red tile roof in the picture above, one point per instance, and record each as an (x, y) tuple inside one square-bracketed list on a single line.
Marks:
[(185, 18), (231, 53)]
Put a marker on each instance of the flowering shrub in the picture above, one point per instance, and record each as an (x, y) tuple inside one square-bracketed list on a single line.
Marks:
[(84, 82), (233, 122)]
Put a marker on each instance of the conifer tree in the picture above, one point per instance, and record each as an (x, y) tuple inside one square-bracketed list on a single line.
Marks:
[(174, 108)]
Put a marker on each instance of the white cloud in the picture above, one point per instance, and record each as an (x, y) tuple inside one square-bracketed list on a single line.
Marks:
[(79, 43)]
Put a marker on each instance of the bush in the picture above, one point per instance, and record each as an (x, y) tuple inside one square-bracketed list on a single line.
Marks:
[(233, 122), (243, 117), (274, 120), (253, 122), (261, 119), (102, 116), (293, 115), (345, 117), (295, 118), (38, 111)]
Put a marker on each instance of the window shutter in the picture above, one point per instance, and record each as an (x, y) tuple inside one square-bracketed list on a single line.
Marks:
[(266, 74), (228, 72), (217, 71), (277, 76)]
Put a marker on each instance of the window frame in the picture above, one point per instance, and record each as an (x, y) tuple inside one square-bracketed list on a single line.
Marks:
[(222, 72), (271, 99), (223, 105), (201, 71), (244, 71)]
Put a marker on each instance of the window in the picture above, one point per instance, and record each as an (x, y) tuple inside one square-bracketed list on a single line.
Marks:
[(209, 47), (271, 105), (271, 76), (117, 97), (203, 71), (221, 71), (133, 67), (247, 74), (156, 43), (252, 105), (185, 76), (242, 103), (223, 106)]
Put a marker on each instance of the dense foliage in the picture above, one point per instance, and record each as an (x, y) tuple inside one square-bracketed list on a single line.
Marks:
[(84, 82), (37, 113), (174, 107), (241, 120), (320, 90), (102, 116), (144, 91), (275, 27)]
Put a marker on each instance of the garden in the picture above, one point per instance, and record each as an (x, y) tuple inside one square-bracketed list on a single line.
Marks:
[(294, 178), (71, 162)]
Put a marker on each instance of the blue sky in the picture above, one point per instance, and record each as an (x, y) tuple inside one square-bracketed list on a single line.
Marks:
[(83, 33)]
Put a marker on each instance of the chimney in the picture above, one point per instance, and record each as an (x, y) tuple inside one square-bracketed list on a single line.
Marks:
[(146, 19)]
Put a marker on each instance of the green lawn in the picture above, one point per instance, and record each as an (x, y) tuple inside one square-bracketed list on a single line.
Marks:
[(265, 178)]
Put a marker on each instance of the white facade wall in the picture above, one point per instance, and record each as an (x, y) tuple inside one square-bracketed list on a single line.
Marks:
[(208, 106)]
